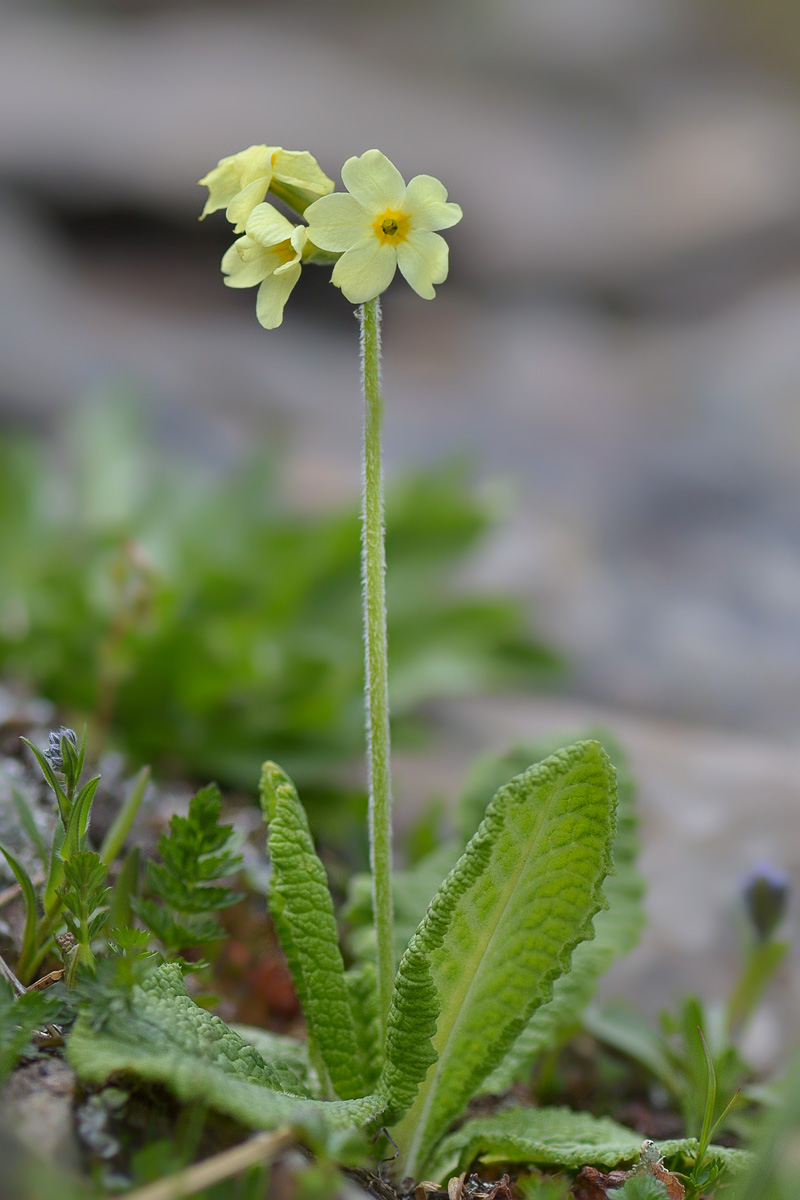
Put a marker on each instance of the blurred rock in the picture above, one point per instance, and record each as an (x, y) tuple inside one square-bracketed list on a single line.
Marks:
[(102, 113)]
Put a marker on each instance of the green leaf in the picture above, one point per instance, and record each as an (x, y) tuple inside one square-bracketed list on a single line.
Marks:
[(79, 819), (164, 1037), (190, 933), (362, 987), (122, 824), (195, 852), (28, 823), (55, 871), (85, 896), (287, 1055), (628, 1032), (29, 896), (52, 779), (302, 909), (72, 760), (559, 1137), (120, 913), (184, 895), (772, 1172), (412, 890), (616, 931), (642, 1187), (501, 929), (19, 1017)]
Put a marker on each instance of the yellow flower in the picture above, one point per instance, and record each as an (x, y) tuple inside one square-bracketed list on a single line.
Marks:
[(241, 181), (269, 254), (380, 224)]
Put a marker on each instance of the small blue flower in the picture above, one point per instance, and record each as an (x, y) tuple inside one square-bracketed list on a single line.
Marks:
[(765, 892)]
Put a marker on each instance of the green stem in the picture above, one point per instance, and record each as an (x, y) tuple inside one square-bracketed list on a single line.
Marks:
[(377, 693)]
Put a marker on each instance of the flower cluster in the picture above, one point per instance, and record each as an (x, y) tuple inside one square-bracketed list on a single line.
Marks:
[(54, 751), (379, 224)]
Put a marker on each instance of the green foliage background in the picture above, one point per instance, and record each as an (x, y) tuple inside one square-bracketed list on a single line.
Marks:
[(203, 625)]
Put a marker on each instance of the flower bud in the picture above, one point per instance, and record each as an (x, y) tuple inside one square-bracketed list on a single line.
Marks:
[(53, 751), (765, 893)]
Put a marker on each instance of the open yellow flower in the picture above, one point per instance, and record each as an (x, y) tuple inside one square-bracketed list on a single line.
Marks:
[(379, 224), (269, 254), (241, 181)]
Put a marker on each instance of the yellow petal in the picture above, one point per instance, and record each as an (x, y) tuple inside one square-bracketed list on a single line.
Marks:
[(423, 261), (273, 294), (425, 201), (337, 222), (299, 238), (246, 263), (223, 184), (255, 162), (267, 226), (365, 270), (301, 170), (234, 173), (375, 182), (239, 210)]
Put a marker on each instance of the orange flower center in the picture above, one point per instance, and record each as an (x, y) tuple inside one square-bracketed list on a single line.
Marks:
[(392, 226)]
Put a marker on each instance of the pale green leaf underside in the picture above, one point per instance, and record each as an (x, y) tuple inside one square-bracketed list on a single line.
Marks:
[(503, 927), (168, 1039), (411, 894), (302, 909), (558, 1137), (616, 931)]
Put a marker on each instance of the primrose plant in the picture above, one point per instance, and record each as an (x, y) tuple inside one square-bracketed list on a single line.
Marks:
[(498, 959)]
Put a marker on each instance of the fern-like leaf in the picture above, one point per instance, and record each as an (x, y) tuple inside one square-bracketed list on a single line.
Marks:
[(501, 929), (196, 854), (302, 909)]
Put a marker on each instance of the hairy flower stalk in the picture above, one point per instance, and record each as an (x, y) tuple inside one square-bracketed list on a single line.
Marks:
[(376, 666), (378, 226)]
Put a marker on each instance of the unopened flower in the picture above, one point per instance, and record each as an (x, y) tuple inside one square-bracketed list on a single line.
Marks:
[(241, 181), (380, 224), (269, 254), (766, 895), (53, 752)]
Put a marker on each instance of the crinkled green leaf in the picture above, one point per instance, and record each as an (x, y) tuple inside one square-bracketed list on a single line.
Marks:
[(500, 931), (642, 1187), (559, 1137), (302, 909), (616, 931), (165, 1037), (287, 1055), (362, 987), (617, 928)]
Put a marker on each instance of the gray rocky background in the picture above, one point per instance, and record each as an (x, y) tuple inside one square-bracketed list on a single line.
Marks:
[(618, 347)]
